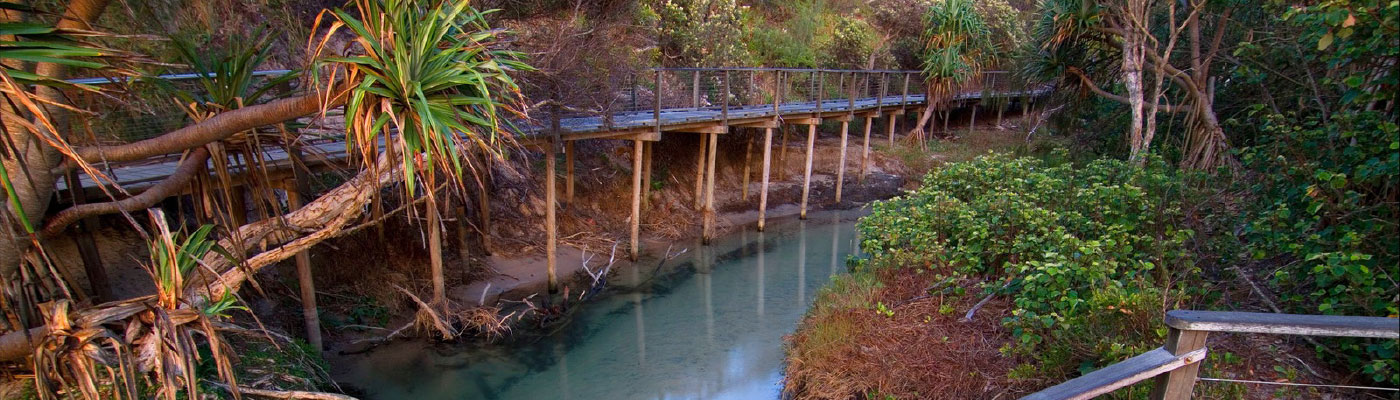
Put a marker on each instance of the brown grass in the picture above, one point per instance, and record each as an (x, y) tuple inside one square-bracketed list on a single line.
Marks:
[(846, 350)]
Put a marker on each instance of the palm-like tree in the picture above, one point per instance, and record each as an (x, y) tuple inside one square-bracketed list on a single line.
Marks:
[(956, 47)]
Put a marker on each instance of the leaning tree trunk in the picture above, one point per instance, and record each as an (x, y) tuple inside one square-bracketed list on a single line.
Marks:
[(31, 169)]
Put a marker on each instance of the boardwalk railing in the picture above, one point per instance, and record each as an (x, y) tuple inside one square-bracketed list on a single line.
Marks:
[(651, 93), (1175, 365)]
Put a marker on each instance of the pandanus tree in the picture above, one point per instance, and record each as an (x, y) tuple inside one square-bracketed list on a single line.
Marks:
[(427, 97), (957, 44)]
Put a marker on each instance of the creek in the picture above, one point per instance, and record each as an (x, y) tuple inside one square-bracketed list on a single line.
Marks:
[(708, 324)]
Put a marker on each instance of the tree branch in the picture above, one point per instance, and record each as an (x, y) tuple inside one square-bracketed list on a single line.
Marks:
[(216, 128), (1105, 94), (192, 165)]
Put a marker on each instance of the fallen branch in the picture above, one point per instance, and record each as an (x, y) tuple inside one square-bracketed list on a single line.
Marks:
[(968, 317), (192, 164), (285, 394)]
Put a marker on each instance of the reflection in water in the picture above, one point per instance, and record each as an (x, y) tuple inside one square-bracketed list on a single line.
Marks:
[(739, 355)]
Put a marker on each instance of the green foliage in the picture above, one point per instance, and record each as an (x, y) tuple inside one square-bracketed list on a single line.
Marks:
[(1326, 210), (702, 33), (432, 82), (228, 82), (1082, 251), (851, 45), (957, 41), (1358, 38)]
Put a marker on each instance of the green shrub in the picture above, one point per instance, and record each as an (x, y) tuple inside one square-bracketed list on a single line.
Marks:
[(1326, 212), (1082, 251)]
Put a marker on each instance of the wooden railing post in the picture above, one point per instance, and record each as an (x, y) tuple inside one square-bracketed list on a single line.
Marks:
[(1176, 385), (695, 91)]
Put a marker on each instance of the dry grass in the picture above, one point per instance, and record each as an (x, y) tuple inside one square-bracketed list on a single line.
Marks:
[(846, 349)]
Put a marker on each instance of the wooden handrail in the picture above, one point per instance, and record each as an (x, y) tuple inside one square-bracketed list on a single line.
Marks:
[(1284, 324), (1176, 364)]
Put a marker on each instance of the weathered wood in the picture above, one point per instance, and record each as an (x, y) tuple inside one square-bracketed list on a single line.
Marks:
[(748, 162), (93, 267), (803, 121), (569, 172), (646, 174), (1176, 384), (700, 173), (695, 91), (459, 216), (1284, 324), (1113, 377), (550, 225), (807, 171), (434, 227), (483, 209), (708, 231), (309, 314), (972, 125), (841, 165), (865, 151), (767, 161), (717, 128), (891, 128), (637, 149)]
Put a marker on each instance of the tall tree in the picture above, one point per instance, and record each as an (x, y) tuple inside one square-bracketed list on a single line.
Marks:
[(957, 45)]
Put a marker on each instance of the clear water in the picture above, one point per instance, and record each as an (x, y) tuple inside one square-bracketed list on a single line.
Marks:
[(706, 325)]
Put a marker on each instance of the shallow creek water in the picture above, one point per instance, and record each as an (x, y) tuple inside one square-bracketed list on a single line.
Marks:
[(705, 325)]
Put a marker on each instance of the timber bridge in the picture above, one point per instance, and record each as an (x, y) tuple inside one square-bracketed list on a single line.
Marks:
[(662, 102)]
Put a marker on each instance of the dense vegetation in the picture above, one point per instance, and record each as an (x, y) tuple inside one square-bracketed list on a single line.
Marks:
[(1295, 193)]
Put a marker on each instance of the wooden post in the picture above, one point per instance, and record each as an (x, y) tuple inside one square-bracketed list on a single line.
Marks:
[(947, 115), (807, 174), (1176, 385), (891, 128), (646, 174), (1001, 108), (841, 166), (637, 150), (434, 252), (865, 150), (309, 314), (569, 172), (748, 161), (483, 206), (972, 124), (93, 267), (708, 232), (459, 215), (695, 91), (782, 154), (763, 192), (700, 173), (550, 227)]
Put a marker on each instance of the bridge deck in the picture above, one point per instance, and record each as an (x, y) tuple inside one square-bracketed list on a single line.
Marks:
[(136, 176)]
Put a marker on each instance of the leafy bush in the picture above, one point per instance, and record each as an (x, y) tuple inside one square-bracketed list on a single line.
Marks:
[(1326, 211), (1083, 251)]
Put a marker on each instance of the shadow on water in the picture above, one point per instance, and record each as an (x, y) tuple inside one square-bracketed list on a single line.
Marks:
[(708, 324)]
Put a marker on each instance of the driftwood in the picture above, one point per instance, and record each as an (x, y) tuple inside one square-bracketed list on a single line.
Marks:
[(285, 394)]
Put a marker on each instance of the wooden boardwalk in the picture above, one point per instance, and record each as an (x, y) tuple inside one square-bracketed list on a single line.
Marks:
[(138, 175)]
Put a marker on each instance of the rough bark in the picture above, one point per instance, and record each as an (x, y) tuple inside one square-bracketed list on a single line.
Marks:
[(216, 128), (31, 169), (193, 164)]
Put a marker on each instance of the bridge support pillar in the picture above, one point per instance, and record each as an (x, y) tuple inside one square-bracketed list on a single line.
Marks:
[(569, 172), (708, 232), (309, 314), (550, 227), (748, 162), (637, 149), (841, 165), (972, 125), (807, 171), (646, 174), (891, 127), (767, 166), (483, 207), (700, 173), (865, 149)]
